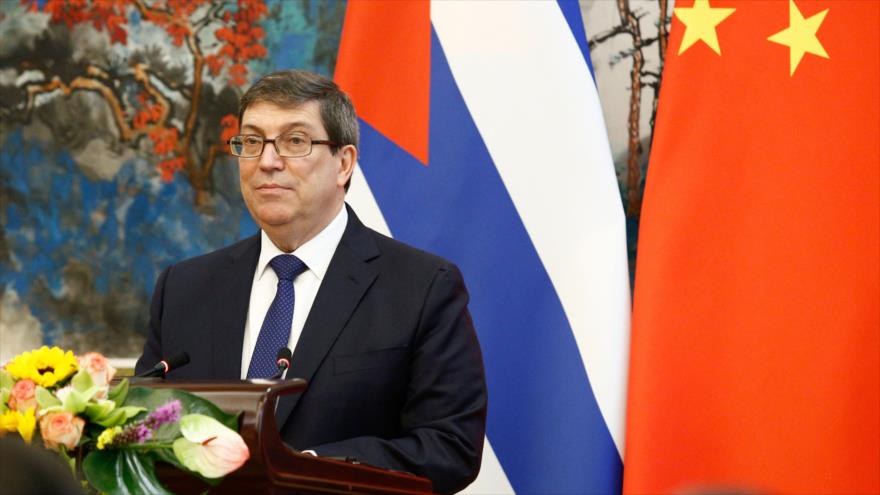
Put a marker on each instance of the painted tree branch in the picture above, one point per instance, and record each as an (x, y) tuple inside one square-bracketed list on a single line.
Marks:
[(640, 77), (238, 36), (633, 166), (95, 83), (663, 30), (607, 35)]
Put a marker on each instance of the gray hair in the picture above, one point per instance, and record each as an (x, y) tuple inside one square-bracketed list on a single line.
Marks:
[(292, 88)]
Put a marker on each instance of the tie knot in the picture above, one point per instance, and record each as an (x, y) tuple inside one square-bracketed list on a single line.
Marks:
[(287, 266)]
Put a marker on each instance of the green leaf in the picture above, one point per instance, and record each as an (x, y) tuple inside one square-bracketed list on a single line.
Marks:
[(70, 461), (4, 399), (99, 467), (75, 402), (118, 393), (116, 417), (82, 381), (122, 472), (99, 411), (191, 404), (45, 398), (6, 380), (167, 455)]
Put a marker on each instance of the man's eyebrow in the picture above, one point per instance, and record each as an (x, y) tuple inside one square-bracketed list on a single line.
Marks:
[(251, 127), (287, 128)]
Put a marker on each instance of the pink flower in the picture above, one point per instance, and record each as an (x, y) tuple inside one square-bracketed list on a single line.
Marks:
[(61, 428), (22, 398), (98, 367)]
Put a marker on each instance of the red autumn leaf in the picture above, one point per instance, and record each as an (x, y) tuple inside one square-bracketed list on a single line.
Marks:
[(140, 120), (215, 64), (164, 140), (238, 73), (257, 51), (178, 33), (167, 168), (31, 5), (118, 35), (253, 8), (229, 127), (155, 112), (223, 33)]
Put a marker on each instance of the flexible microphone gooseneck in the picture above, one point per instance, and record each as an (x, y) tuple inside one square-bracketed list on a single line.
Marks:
[(164, 366), (282, 360)]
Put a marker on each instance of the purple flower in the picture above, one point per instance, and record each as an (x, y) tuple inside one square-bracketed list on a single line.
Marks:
[(167, 413), (142, 431), (136, 433)]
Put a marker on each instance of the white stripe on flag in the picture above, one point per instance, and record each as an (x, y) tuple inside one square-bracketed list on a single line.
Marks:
[(534, 102), (361, 199)]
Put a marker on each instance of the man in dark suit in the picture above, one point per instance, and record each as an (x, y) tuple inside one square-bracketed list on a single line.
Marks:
[(380, 330)]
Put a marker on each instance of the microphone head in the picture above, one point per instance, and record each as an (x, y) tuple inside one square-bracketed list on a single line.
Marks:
[(282, 358), (177, 360), (164, 366)]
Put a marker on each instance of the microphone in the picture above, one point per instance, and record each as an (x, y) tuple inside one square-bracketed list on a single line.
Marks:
[(282, 360), (164, 366)]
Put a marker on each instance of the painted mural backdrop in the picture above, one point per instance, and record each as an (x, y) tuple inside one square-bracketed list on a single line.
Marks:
[(112, 119), (111, 157)]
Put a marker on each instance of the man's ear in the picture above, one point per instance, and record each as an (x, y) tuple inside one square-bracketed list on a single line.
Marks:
[(349, 155)]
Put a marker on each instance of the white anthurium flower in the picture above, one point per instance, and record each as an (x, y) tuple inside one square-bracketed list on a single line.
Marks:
[(208, 447)]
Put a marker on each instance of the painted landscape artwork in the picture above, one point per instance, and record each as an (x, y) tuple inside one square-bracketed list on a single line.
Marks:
[(112, 156)]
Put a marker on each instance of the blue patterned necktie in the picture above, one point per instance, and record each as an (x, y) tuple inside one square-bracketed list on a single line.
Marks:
[(275, 332)]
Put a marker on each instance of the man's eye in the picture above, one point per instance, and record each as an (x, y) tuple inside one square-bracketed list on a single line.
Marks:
[(252, 140), (295, 140)]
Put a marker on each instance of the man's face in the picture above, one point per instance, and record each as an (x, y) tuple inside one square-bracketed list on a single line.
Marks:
[(292, 195)]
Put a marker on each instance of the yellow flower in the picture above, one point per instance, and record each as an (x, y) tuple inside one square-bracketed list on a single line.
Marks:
[(9, 420), (45, 366), (24, 424), (106, 437)]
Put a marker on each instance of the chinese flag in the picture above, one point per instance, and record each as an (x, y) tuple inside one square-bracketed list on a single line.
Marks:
[(755, 360)]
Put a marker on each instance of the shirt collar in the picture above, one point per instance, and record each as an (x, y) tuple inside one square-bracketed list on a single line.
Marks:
[(315, 253)]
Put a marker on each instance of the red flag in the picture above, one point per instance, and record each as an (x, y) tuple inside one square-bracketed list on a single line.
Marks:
[(384, 63), (756, 331)]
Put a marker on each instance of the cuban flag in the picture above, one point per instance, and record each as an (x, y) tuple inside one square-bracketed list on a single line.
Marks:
[(482, 140)]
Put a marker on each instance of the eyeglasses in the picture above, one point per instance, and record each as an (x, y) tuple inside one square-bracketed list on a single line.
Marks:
[(288, 146)]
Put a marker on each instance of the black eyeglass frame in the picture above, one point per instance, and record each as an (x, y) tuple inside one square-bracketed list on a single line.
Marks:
[(312, 142)]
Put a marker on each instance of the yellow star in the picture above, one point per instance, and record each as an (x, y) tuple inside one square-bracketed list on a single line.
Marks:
[(700, 22), (800, 36)]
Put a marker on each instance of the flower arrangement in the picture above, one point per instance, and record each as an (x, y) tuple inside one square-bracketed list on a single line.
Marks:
[(65, 402)]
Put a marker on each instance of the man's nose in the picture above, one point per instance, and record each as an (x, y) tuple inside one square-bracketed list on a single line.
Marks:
[(269, 159)]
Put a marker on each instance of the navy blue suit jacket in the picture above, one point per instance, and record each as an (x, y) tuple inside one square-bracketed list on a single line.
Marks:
[(389, 350)]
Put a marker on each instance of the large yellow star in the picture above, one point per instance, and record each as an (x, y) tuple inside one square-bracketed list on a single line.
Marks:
[(700, 22), (800, 36)]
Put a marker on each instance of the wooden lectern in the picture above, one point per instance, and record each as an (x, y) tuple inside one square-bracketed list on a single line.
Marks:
[(273, 466)]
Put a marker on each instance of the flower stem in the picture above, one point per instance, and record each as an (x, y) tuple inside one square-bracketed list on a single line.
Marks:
[(147, 446)]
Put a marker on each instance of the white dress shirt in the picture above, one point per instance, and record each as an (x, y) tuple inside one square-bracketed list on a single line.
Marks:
[(316, 254)]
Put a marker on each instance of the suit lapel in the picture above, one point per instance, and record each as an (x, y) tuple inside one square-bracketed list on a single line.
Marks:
[(345, 283), (231, 297)]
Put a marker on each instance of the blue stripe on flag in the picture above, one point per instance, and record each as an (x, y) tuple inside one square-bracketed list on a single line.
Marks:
[(544, 423), (571, 10)]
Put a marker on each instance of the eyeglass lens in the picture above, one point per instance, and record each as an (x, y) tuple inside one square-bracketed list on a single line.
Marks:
[(289, 145)]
